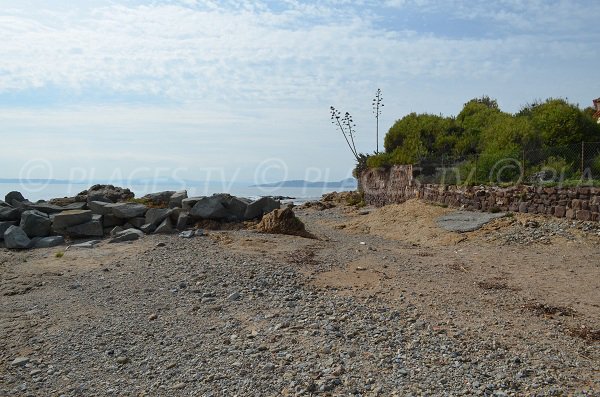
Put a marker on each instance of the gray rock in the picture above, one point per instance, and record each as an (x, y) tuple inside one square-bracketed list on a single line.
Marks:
[(100, 207), (187, 234), (200, 232), (116, 230), (13, 198), (237, 207), (65, 219), (127, 235), (110, 220), (47, 242), (128, 210), (165, 227), (3, 204), (137, 222), (466, 221), (5, 225), (9, 214), (176, 200), (44, 207), (75, 206), (35, 223), (19, 361), (182, 221), (107, 193), (87, 244), (15, 238), (262, 206), (92, 228), (148, 228), (188, 203), (210, 208), (156, 216), (159, 198)]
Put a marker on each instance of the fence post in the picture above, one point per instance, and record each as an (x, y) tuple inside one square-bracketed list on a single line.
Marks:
[(582, 156)]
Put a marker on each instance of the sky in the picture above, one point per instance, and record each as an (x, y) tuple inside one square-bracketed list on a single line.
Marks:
[(241, 90)]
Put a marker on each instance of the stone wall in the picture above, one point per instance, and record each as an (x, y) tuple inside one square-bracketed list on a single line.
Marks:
[(396, 185)]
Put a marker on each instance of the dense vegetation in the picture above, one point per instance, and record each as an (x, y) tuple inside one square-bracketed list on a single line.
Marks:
[(482, 131)]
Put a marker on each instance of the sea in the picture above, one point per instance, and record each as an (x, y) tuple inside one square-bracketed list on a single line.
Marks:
[(46, 190)]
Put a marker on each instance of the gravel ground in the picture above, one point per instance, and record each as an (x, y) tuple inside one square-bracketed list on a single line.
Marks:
[(239, 313)]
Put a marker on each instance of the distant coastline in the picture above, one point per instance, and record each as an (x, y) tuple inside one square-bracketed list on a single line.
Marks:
[(344, 183)]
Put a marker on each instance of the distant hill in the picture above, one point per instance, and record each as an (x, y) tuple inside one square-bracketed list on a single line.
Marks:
[(349, 183)]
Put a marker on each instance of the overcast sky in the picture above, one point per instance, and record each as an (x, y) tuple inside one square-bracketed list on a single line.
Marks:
[(242, 89)]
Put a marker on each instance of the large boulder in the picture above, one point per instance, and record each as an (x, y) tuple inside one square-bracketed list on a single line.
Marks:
[(237, 207), (165, 227), (127, 235), (188, 203), (262, 206), (9, 214), (4, 226), (210, 208), (4, 204), (100, 207), (92, 228), (110, 221), (182, 220), (128, 210), (15, 238), (47, 242), (44, 207), (15, 198), (155, 216), (107, 193), (283, 221), (65, 219), (35, 223), (177, 198), (160, 199)]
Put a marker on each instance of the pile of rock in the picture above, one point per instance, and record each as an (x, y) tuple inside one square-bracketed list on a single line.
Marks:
[(24, 224)]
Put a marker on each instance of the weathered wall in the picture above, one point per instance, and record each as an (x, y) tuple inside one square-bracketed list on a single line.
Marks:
[(396, 185)]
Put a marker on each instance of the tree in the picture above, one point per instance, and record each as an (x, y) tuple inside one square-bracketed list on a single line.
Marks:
[(377, 105)]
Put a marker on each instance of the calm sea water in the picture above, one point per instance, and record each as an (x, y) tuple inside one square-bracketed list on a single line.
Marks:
[(46, 191)]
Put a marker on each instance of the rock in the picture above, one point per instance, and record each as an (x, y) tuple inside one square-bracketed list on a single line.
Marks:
[(156, 216), (128, 210), (159, 199), (65, 219), (35, 223), (127, 235), (176, 200), (44, 207), (3, 204), (466, 221), (116, 230), (234, 296), (200, 233), (165, 227), (107, 193), (237, 207), (187, 234), (16, 238), (260, 207), (209, 208), (5, 225), (14, 198), (182, 221), (109, 221), (137, 222), (92, 228), (100, 207), (20, 361), (74, 206), (152, 317), (122, 360), (148, 228), (47, 242), (9, 214), (87, 244), (188, 203), (283, 221)]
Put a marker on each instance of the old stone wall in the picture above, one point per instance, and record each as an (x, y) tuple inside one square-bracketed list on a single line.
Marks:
[(396, 185)]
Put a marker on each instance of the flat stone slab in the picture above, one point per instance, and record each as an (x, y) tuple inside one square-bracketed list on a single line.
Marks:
[(466, 221)]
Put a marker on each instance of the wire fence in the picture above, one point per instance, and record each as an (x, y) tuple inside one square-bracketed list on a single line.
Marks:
[(575, 164)]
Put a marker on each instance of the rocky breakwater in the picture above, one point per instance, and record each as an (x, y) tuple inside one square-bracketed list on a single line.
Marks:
[(105, 210)]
